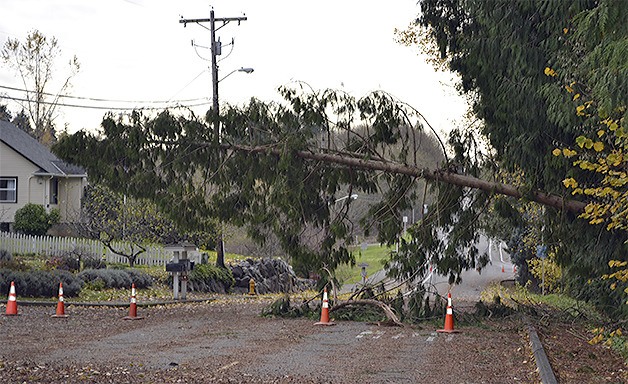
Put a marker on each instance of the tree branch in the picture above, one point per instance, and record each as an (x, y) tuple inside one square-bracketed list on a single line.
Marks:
[(428, 174)]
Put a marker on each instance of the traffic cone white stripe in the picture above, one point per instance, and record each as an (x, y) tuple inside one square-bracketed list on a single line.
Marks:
[(449, 318), (12, 302), (12, 293), (325, 311), (133, 307)]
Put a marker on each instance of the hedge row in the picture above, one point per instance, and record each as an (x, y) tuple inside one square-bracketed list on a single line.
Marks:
[(115, 278), (40, 283), (46, 283)]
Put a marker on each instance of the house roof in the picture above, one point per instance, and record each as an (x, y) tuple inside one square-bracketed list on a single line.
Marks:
[(36, 153)]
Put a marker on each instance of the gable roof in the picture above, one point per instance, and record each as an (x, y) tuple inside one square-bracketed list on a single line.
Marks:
[(36, 153)]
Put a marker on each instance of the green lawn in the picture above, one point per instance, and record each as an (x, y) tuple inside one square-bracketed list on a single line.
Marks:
[(374, 256)]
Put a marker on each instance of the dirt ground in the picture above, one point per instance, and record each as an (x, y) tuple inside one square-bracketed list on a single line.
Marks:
[(226, 341)]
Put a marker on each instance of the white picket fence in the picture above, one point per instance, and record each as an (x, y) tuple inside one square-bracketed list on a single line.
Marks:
[(50, 245)]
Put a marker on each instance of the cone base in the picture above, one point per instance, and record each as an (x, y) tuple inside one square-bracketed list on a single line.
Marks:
[(325, 323), (11, 314), (60, 316), (448, 331), (132, 318)]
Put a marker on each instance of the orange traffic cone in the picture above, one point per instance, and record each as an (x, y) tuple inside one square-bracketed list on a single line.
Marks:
[(133, 307), (449, 318), (60, 304), (12, 302), (325, 311), (503, 270), (514, 269)]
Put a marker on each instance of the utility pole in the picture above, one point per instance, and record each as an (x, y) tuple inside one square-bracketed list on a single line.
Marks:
[(215, 49)]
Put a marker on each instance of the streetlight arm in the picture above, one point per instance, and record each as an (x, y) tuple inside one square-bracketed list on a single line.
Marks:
[(245, 70)]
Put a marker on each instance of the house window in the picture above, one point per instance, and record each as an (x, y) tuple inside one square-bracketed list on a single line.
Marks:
[(8, 189), (54, 191)]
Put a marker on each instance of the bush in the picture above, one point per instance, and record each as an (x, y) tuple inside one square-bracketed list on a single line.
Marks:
[(40, 283), (210, 278), (5, 255), (64, 261), (8, 262), (115, 278), (32, 219)]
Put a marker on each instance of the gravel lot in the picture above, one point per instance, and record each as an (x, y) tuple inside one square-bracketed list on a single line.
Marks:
[(226, 341)]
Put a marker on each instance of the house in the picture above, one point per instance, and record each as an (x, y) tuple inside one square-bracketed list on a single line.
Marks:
[(30, 173)]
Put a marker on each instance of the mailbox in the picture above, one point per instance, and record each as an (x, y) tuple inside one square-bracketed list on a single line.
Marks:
[(183, 265), (179, 267)]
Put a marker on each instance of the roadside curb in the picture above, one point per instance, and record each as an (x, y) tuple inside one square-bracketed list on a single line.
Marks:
[(542, 362), (114, 304)]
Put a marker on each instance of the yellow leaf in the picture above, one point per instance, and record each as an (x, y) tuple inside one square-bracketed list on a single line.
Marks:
[(601, 133), (565, 30), (576, 96), (569, 89), (556, 152), (598, 146), (549, 72), (569, 152), (579, 110), (570, 182)]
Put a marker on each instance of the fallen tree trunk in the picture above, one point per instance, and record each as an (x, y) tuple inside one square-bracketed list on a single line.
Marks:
[(390, 314), (350, 160)]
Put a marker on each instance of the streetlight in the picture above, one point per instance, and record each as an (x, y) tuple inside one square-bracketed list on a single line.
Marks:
[(352, 197), (243, 69)]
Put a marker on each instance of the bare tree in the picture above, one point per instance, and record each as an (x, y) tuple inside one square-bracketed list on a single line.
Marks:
[(34, 60)]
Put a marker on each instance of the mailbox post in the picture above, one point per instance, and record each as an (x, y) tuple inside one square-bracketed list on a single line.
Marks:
[(363, 272), (179, 267)]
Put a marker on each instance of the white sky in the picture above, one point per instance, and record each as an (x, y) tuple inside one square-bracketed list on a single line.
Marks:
[(138, 50)]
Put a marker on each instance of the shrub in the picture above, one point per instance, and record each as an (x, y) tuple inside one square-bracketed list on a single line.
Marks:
[(32, 219), (115, 278), (40, 283), (210, 278), (71, 260), (65, 261), (7, 261), (5, 255), (93, 263)]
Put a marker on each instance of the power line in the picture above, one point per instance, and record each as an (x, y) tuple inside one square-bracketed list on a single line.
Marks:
[(105, 100), (106, 107)]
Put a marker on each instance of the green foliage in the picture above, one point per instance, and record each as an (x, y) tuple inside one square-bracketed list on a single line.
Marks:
[(256, 175), (40, 283), (32, 219), (517, 58), (282, 307), (210, 278)]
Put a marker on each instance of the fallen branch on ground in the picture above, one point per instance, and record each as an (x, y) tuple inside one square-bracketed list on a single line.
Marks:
[(390, 314)]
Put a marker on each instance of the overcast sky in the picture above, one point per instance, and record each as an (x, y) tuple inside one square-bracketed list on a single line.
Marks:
[(137, 50)]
